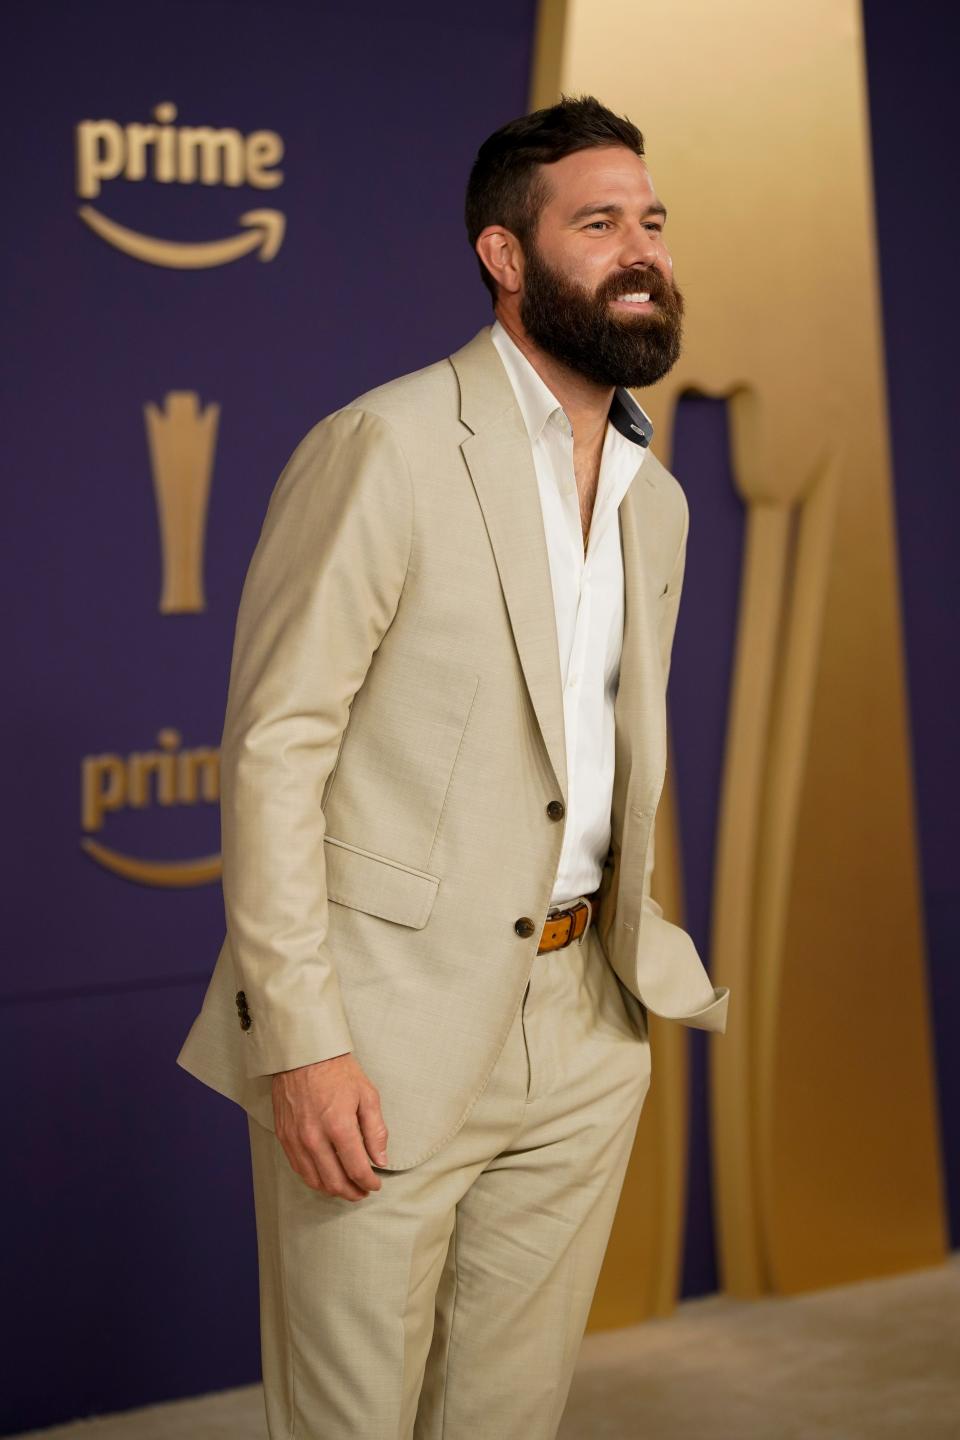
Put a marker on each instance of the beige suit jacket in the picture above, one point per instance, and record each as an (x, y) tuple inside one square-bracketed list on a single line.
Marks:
[(393, 736)]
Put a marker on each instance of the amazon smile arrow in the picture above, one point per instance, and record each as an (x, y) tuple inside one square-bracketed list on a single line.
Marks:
[(265, 233), (166, 874)]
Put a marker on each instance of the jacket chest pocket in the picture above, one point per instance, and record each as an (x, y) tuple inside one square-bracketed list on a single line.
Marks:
[(398, 755)]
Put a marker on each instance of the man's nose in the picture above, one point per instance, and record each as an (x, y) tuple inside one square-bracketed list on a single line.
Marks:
[(646, 250)]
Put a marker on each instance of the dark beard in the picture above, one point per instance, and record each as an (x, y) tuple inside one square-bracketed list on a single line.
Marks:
[(585, 334)]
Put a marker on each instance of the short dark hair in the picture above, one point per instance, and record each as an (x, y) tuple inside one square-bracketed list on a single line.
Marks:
[(507, 187)]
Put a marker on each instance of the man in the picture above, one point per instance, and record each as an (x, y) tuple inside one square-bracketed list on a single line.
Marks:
[(443, 751)]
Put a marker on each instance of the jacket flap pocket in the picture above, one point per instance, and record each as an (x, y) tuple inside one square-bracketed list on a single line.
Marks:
[(379, 886)]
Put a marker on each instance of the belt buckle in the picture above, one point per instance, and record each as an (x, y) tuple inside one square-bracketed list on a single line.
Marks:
[(568, 911)]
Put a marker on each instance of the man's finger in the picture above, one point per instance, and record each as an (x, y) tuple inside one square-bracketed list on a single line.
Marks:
[(372, 1128), (335, 1178), (348, 1143), (301, 1164), (321, 1170)]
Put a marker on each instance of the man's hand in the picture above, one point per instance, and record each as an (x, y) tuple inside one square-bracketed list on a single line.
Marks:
[(330, 1125)]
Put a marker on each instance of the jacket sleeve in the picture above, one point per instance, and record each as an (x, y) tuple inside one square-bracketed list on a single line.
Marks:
[(321, 590)]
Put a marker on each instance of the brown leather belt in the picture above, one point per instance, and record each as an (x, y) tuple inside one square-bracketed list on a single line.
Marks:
[(562, 927)]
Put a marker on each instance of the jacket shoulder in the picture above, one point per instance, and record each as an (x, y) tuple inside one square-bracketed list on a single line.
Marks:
[(671, 499), (400, 413), (428, 396)]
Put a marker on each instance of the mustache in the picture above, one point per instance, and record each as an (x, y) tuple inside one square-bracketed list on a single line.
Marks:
[(627, 282)]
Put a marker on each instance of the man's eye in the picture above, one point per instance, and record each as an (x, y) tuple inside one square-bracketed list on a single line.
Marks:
[(652, 225), (597, 222)]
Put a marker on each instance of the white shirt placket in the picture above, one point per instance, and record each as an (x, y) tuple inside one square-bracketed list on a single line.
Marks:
[(588, 601)]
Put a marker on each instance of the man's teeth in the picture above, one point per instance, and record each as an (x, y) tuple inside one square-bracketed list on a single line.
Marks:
[(638, 298)]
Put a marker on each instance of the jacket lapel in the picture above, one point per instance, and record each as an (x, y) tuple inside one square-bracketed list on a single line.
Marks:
[(640, 727), (640, 734), (499, 460), (498, 457)]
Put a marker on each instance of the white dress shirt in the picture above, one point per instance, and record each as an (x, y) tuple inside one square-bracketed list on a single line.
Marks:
[(588, 600)]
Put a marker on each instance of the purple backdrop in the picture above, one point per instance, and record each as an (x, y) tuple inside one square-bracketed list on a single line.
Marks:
[(130, 1248), (912, 103)]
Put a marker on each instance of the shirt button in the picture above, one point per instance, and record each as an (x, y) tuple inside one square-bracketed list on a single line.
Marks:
[(524, 926), (556, 810)]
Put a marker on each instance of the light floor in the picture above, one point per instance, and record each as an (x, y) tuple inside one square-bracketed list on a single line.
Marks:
[(859, 1362)]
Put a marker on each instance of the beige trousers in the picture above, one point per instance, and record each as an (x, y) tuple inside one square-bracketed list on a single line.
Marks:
[(450, 1304)]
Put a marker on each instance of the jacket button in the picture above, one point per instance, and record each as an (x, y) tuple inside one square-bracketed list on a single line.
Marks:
[(524, 926), (556, 810)]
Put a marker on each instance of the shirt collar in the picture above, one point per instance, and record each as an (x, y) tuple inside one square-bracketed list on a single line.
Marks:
[(538, 403), (630, 418)]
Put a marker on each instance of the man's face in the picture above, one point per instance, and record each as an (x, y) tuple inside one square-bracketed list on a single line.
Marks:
[(598, 290)]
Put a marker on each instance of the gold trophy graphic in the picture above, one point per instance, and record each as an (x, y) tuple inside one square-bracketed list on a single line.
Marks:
[(182, 439)]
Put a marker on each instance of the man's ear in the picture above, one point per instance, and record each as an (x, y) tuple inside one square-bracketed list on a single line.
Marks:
[(500, 251)]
